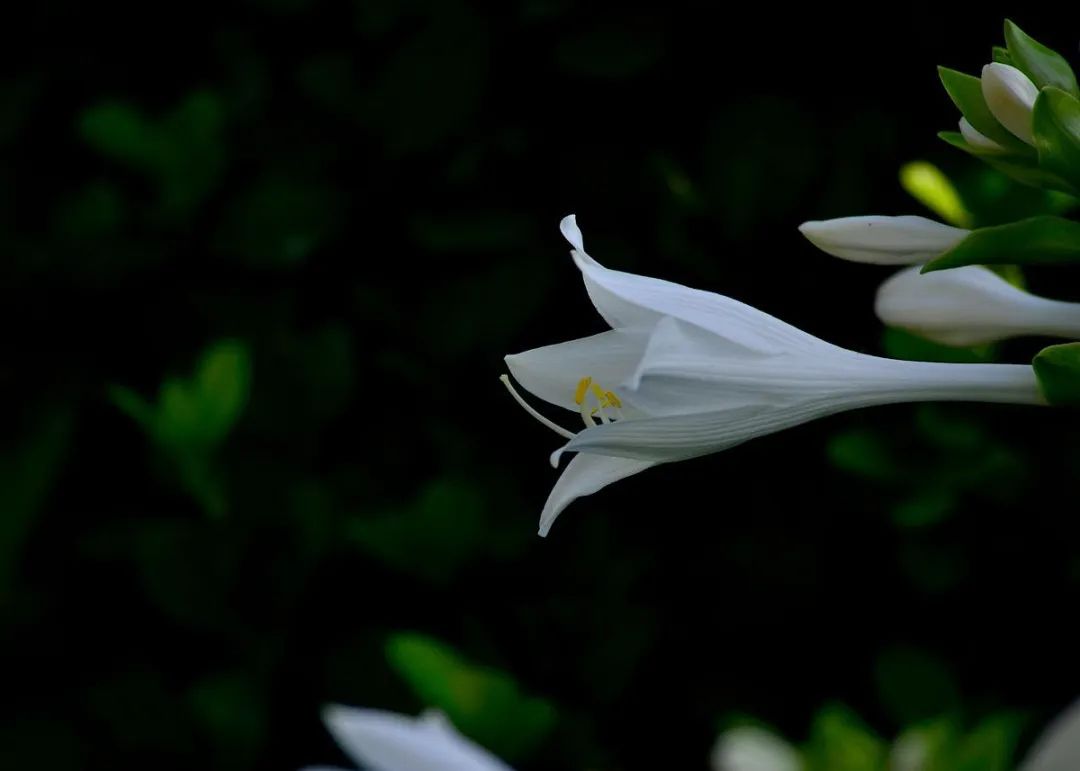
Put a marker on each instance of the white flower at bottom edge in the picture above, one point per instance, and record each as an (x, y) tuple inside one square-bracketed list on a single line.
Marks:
[(387, 741), (747, 748), (1058, 748), (970, 305), (684, 373)]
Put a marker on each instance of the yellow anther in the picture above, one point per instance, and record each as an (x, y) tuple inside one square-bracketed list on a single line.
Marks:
[(582, 387), (613, 400), (599, 393)]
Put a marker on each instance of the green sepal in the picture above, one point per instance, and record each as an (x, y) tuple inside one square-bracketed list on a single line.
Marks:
[(1018, 168), (1056, 125), (1034, 241), (1043, 65), (1058, 371), (1001, 56)]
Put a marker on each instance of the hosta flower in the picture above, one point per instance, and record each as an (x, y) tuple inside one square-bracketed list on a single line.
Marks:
[(747, 748), (905, 240), (684, 372), (1010, 95), (386, 741), (1058, 749), (971, 305)]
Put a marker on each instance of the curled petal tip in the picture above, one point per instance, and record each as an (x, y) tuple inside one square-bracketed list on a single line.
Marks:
[(569, 228)]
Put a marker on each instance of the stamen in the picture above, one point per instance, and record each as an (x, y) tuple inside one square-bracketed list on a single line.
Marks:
[(613, 400), (564, 433), (579, 392)]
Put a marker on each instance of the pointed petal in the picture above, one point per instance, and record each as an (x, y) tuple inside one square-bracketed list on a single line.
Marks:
[(386, 741), (584, 475), (881, 240), (553, 371), (1058, 749), (679, 437)]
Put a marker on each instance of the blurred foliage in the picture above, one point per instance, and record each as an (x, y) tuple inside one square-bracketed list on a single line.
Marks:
[(261, 264)]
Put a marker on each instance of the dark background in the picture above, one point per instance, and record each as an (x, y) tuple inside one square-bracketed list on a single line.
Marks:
[(360, 201)]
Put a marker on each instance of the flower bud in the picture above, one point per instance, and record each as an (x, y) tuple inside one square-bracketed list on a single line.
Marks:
[(970, 306), (978, 140), (906, 240), (1010, 95)]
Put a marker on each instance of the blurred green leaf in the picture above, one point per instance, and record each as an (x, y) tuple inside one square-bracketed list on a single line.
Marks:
[(1034, 241), (182, 153), (989, 747), (915, 685), (1043, 65), (232, 709), (902, 344), (839, 741), (925, 507), (1058, 369), (926, 183), (483, 703), (612, 50), (27, 473), (863, 452), (966, 93)]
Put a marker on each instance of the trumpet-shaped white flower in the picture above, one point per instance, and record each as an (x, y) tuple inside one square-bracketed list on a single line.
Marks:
[(977, 139), (747, 748), (1058, 749), (387, 741), (905, 240), (684, 373), (969, 306), (1010, 95)]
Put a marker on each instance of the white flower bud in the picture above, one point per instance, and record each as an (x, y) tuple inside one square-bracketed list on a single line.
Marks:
[(906, 240), (1010, 95), (977, 139), (970, 305)]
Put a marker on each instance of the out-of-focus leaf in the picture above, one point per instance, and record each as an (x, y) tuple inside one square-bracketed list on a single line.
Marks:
[(991, 746), (27, 472), (1043, 65), (433, 538), (611, 50), (483, 703), (279, 222), (915, 685), (1058, 369), (901, 344), (863, 452), (232, 709), (926, 183), (925, 507), (1034, 241), (839, 741)]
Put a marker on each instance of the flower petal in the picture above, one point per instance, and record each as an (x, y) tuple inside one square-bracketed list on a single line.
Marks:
[(584, 475), (748, 748), (386, 741), (629, 300), (1058, 749), (880, 240), (553, 371)]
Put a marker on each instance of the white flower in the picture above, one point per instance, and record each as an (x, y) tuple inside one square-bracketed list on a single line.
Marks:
[(1010, 95), (753, 749), (971, 305), (387, 741), (1058, 749), (684, 373), (977, 139), (905, 240)]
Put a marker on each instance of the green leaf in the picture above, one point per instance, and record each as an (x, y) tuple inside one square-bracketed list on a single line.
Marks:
[(1058, 369), (840, 742), (1001, 56), (927, 184), (1043, 65), (990, 746), (1056, 125), (483, 703), (915, 685), (1020, 169), (1036, 241), (966, 93)]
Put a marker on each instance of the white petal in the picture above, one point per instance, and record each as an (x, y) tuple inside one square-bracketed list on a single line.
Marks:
[(386, 741), (1058, 749), (970, 305), (905, 240), (584, 475), (571, 232), (553, 371), (753, 749), (977, 139), (1010, 95)]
